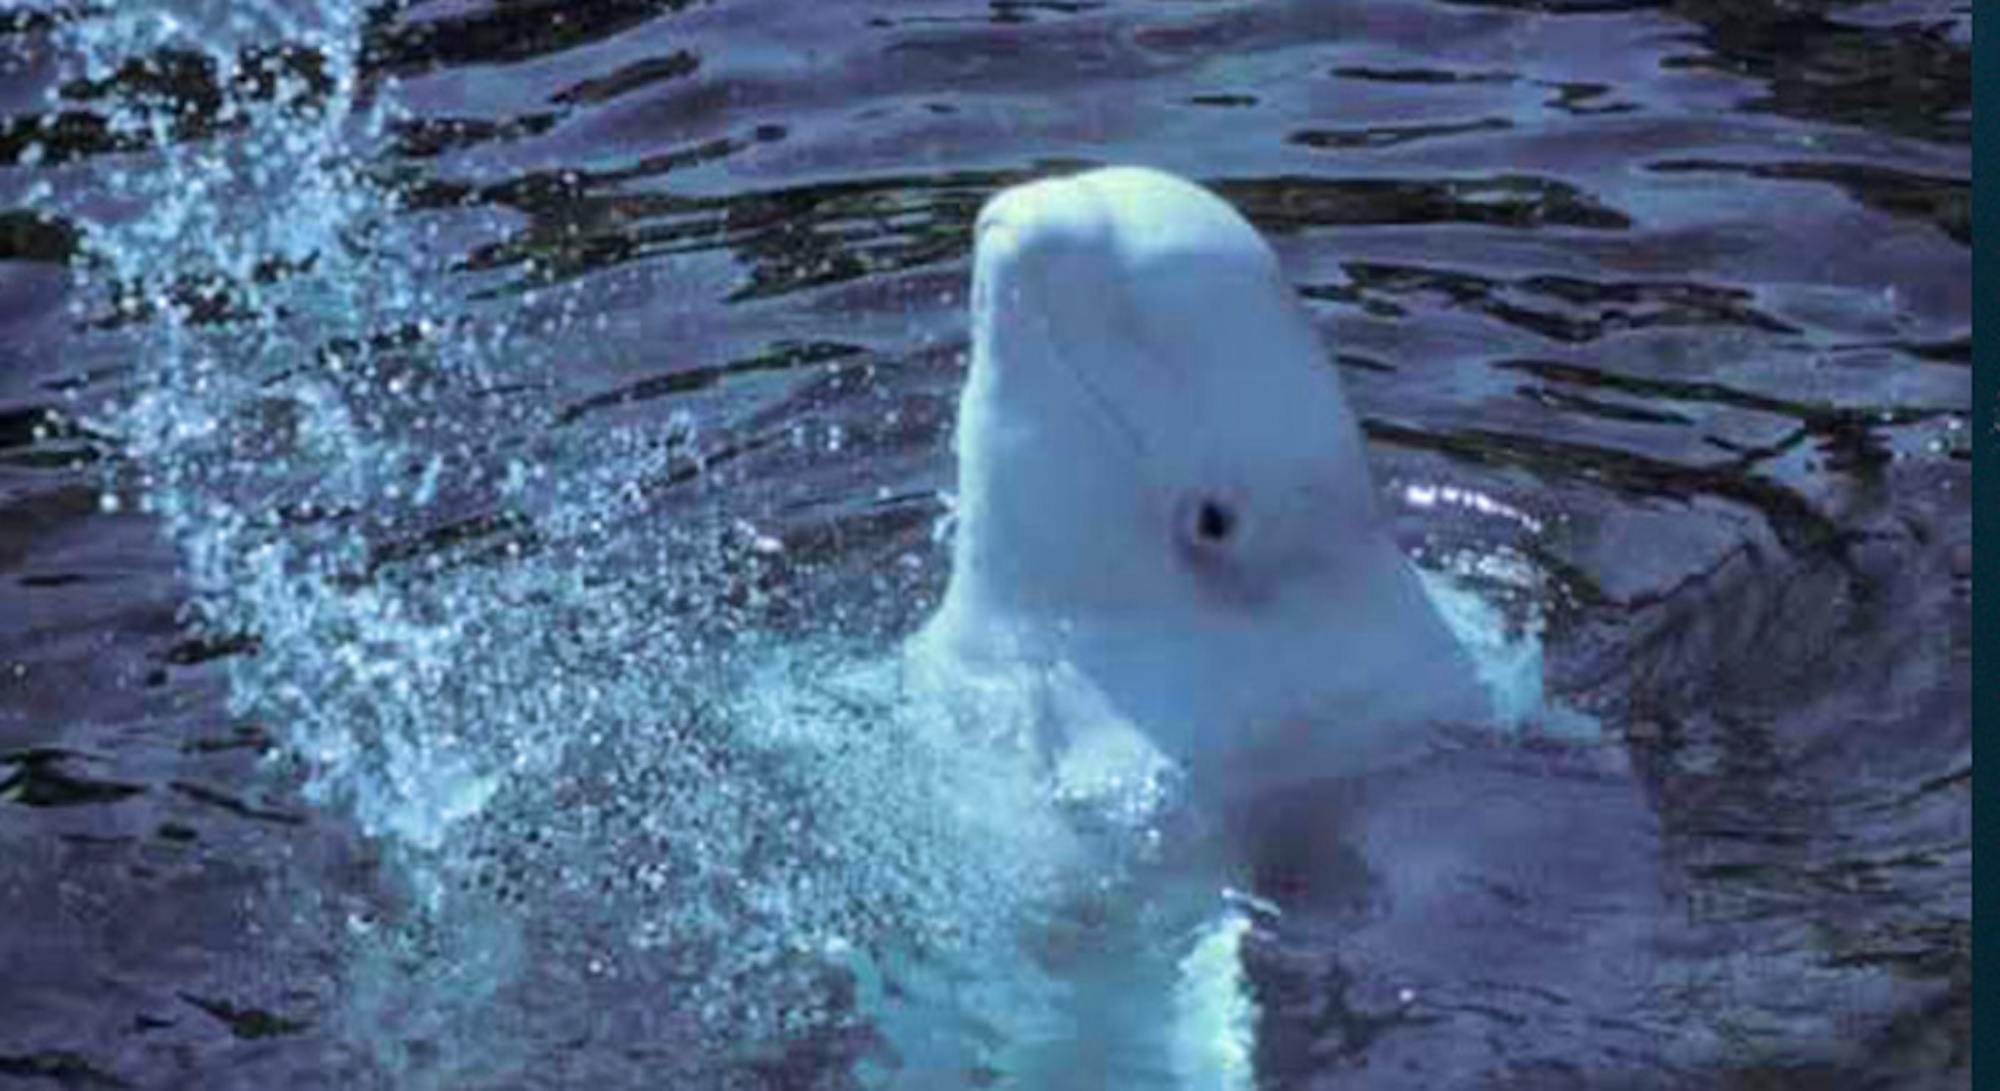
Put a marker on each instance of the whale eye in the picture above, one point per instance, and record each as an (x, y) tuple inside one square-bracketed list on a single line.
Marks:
[(1214, 521), (1209, 522)]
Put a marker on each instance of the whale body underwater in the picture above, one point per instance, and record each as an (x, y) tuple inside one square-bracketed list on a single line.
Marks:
[(1168, 551)]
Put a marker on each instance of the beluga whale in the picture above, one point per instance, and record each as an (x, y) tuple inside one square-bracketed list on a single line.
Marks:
[(1162, 494), (1168, 549)]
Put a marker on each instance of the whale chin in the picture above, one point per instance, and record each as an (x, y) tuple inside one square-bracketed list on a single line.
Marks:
[(1245, 705)]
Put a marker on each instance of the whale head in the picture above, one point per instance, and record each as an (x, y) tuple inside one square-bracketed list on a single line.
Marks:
[(1161, 485)]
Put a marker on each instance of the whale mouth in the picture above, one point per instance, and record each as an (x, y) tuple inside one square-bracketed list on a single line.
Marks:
[(1104, 406)]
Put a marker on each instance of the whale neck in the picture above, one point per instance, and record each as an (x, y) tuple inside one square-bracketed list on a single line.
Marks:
[(1251, 701)]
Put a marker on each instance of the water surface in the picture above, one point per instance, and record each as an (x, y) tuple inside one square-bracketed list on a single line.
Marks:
[(421, 423)]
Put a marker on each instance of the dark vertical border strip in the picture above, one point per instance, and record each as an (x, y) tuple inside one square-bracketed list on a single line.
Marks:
[(1985, 540)]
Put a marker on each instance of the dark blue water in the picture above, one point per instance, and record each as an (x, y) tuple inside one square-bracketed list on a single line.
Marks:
[(446, 449)]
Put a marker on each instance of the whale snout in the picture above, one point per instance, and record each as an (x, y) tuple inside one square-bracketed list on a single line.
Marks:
[(1114, 223), (995, 210), (1033, 244), (1039, 218)]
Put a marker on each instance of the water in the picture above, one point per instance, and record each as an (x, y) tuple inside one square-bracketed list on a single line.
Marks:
[(454, 456)]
